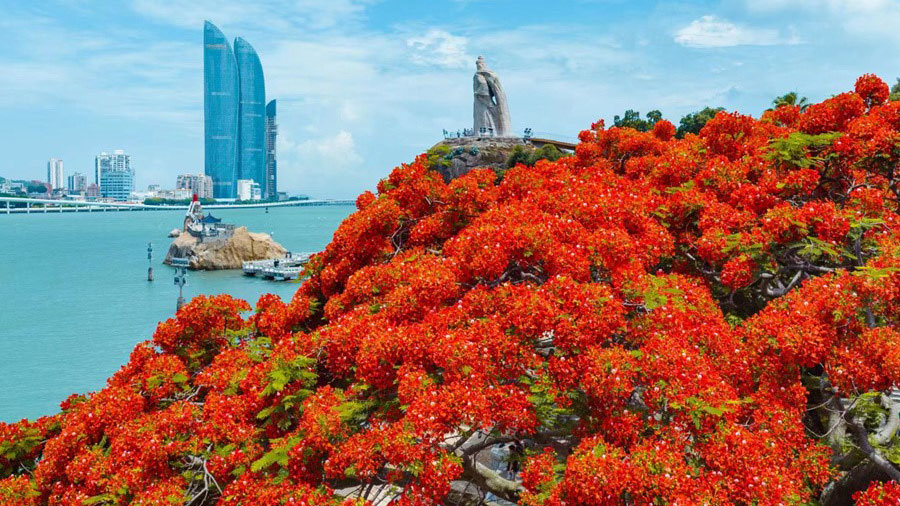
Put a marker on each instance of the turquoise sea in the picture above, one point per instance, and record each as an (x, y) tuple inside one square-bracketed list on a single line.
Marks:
[(74, 295)]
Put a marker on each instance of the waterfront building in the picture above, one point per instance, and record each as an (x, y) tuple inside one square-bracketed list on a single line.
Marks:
[(199, 184), (176, 194), (55, 174), (117, 160), (252, 107), (248, 189), (115, 175), (76, 183), (92, 191), (221, 94), (234, 107), (101, 163), (117, 185), (271, 182), (157, 193)]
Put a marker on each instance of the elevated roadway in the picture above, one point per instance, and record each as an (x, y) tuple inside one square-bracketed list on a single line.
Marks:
[(59, 206)]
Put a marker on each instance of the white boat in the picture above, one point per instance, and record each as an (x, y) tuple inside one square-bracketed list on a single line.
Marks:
[(287, 273), (254, 267)]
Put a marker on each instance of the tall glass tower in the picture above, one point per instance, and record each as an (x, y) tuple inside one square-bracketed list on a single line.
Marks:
[(271, 187), (252, 114), (221, 95)]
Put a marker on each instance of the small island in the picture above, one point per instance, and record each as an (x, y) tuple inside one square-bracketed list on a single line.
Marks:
[(213, 245)]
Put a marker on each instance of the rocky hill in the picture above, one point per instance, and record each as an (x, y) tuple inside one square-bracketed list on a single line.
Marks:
[(230, 253), (457, 156)]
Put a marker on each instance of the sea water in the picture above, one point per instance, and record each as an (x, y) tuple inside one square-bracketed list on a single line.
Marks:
[(74, 295)]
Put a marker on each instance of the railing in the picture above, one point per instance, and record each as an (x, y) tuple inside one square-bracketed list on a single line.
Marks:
[(527, 134)]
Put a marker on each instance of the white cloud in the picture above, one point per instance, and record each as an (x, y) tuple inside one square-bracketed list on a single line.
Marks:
[(337, 151), (280, 15), (314, 165), (872, 19), (441, 48), (831, 5), (710, 31)]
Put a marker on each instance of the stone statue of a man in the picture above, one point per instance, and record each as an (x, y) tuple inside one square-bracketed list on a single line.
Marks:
[(491, 110)]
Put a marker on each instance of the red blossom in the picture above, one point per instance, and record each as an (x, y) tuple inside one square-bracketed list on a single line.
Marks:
[(644, 319)]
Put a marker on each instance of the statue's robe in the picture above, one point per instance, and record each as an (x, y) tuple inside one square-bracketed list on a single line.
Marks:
[(491, 111)]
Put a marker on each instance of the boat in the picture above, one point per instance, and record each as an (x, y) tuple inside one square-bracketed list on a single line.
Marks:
[(269, 267), (282, 273)]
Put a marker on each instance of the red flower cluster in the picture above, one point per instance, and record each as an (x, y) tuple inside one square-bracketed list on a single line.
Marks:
[(881, 494), (652, 320)]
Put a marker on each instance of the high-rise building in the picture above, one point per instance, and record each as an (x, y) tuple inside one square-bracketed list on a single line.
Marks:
[(101, 163), (252, 107), (114, 175), (271, 181), (248, 189), (55, 174), (221, 93), (76, 183), (198, 184), (234, 106)]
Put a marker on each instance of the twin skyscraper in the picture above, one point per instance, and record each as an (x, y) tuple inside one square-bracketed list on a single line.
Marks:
[(239, 126)]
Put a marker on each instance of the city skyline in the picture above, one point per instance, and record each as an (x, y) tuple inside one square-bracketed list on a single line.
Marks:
[(234, 112), (366, 85)]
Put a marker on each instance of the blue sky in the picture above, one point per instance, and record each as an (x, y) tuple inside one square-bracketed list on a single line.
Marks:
[(364, 85)]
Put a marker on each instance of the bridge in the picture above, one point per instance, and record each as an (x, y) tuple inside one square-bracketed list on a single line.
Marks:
[(562, 145), (60, 206)]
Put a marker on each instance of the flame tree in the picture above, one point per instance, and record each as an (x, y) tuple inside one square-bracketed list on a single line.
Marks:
[(654, 320)]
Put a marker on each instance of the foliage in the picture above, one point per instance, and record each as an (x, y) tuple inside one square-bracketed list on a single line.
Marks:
[(158, 201), (791, 99), (692, 123), (632, 119), (705, 320), (439, 157), (529, 157)]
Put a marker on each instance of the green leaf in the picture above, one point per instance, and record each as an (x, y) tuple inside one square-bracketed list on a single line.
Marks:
[(277, 455), (713, 411), (98, 499)]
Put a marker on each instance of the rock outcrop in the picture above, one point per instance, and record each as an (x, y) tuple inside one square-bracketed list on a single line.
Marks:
[(466, 153), (230, 253)]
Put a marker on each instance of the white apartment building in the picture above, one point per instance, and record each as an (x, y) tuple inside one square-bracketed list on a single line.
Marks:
[(55, 174), (248, 189), (196, 183)]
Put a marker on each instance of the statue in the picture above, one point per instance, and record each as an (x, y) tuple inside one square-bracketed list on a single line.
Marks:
[(491, 110)]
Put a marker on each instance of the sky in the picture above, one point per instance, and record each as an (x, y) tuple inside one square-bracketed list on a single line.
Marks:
[(365, 85)]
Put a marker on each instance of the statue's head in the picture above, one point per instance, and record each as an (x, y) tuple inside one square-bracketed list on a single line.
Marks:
[(479, 63)]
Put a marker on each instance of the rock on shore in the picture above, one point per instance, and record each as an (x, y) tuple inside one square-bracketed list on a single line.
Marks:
[(224, 254)]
